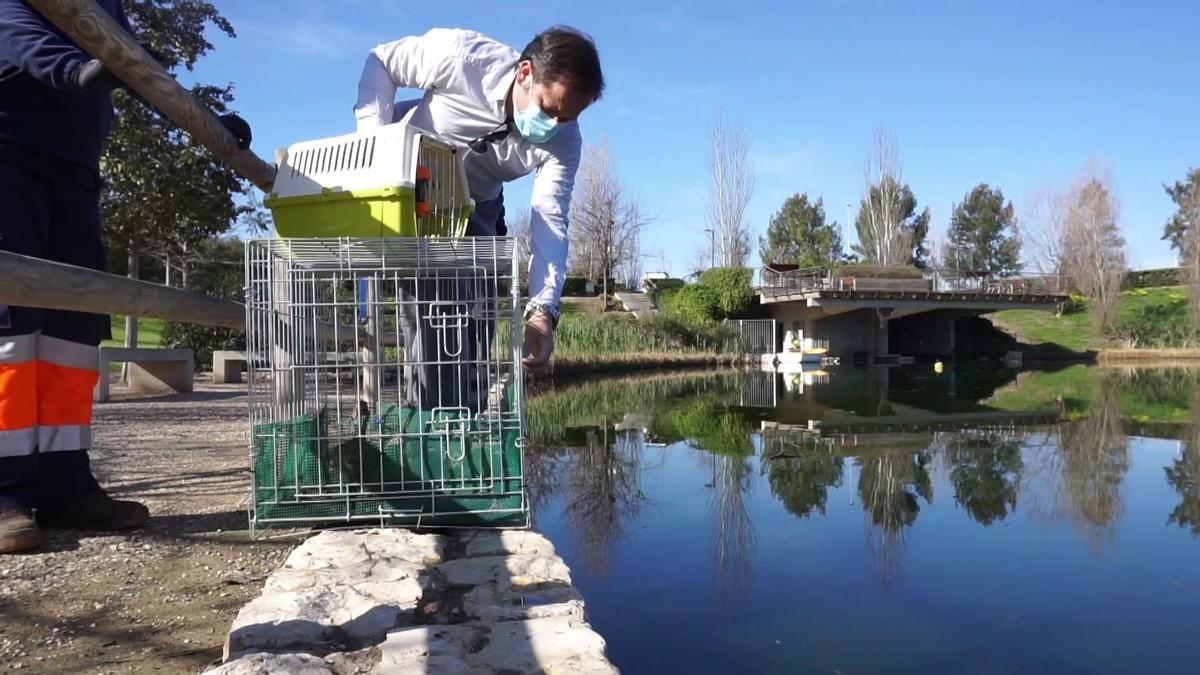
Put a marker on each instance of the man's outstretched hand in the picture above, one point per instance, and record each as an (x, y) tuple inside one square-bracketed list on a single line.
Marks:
[(539, 342)]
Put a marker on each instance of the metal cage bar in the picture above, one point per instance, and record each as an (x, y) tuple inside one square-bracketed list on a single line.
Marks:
[(385, 381)]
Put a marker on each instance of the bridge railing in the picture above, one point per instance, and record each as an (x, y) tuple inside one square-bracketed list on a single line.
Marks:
[(931, 280)]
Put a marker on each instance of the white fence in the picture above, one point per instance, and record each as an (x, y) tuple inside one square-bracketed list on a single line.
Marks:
[(758, 335)]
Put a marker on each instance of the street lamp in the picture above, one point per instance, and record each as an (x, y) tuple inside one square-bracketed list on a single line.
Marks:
[(712, 247), (846, 237)]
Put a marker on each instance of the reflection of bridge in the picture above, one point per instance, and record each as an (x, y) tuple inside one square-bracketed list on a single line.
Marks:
[(902, 432), (860, 314)]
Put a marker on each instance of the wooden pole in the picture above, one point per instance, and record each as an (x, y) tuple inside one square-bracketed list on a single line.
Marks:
[(33, 282), (99, 35)]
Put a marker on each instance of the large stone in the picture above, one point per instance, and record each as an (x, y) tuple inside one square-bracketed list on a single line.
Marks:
[(516, 570), (504, 602), (338, 590), (507, 542), (552, 645), (274, 664), (341, 548)]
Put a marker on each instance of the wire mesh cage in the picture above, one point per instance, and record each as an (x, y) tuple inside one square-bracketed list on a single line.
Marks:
[(385, 382)]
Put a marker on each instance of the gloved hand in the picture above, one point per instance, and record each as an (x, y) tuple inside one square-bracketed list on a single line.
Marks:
[(93, 78), (539, 341), (240, 129)]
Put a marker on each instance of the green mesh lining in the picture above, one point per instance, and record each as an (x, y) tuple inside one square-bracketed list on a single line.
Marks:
[(314, 467)]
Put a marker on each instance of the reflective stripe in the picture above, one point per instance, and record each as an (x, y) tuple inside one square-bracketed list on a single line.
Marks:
[(55, 439), (66, 353), (18, 395), (18, 442), (16, 349), (64, 395)]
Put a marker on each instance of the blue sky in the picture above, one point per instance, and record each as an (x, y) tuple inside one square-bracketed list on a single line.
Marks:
[(1016, 94)]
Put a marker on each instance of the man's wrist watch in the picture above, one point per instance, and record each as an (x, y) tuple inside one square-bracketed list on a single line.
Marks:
[(538, 308)]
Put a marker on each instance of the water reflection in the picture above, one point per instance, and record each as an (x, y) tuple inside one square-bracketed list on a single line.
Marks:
[(801, 474), (737, 511), (1094, 455), (1184, 475), (986, 474), (734, 536), (602, 493), (1055, 443)]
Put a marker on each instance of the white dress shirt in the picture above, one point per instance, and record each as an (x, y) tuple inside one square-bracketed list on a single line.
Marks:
[(466, 77)]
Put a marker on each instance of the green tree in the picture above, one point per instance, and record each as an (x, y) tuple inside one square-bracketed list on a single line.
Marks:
[(798, 234), (1183, 230), (162, 192), (1186, 219), (982, 236), (890, 211)]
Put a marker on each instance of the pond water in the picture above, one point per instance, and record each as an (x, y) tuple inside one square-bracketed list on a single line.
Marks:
[(891, 520)]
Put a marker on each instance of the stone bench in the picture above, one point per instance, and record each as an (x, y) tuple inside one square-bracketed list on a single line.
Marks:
[(151, 371), (227, 366)]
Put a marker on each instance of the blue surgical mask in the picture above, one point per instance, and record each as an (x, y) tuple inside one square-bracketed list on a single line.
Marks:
[(533, 123)]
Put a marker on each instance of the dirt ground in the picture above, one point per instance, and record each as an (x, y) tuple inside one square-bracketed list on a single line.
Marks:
[(160, 599)]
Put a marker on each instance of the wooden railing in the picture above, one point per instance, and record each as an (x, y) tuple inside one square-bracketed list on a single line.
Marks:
[(32, 282)]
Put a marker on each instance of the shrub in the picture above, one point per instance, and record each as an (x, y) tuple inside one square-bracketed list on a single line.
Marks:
[(1153, 278), (695, 303), (729, 288), (1162, 325), (661, 289), (1075, 303)]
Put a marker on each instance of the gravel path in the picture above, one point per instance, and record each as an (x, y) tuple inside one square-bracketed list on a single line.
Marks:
[(159, 599)]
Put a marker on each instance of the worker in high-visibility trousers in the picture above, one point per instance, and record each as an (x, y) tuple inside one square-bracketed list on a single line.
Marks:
[(515, 114), (55, 112)]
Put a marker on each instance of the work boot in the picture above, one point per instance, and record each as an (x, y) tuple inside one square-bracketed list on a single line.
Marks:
[(97, 511), (18, 531)]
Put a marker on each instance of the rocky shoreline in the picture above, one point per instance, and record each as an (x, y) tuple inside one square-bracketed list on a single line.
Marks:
[(393, 601)]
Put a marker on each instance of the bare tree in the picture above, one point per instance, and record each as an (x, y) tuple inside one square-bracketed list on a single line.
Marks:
[(730, 189), (1093, 250), (606, 221), (1041, 229), (629, 270), (882, 234)]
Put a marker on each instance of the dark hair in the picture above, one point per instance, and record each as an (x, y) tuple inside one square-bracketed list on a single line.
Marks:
[(563, 54)]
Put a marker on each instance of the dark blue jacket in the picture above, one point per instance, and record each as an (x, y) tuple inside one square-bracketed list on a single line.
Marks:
[(41, 108)]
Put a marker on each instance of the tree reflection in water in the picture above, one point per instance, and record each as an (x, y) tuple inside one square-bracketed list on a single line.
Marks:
[(800, 472), (985, 472), (734, 535), (1076, 473), (1184, 474), (889, 485), (603, 491)]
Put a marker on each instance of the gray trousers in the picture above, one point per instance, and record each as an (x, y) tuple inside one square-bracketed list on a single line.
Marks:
[(448, 330)]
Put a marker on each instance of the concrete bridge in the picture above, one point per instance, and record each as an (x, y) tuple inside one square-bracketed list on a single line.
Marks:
[(868, 314)]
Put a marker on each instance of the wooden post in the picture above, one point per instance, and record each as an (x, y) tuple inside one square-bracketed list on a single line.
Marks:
[(99, 35), (131, 322)]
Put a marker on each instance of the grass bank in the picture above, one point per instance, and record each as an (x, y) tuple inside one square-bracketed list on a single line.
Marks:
[(1152, 323), (594, 342), (149, 332)]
